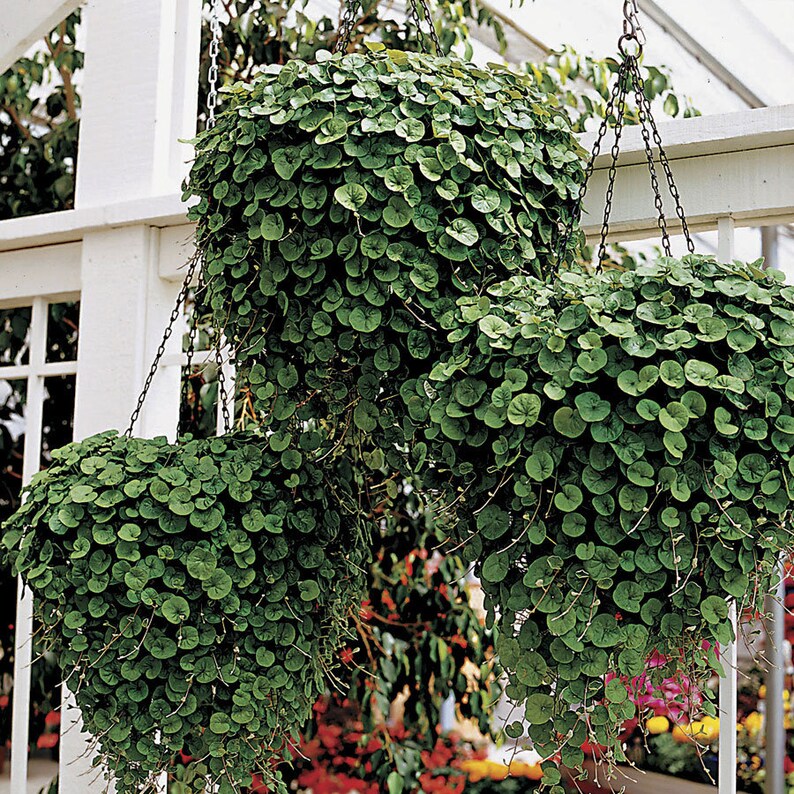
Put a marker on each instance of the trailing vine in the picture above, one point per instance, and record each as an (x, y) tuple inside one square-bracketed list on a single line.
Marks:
[(597, 443), (196, 594)]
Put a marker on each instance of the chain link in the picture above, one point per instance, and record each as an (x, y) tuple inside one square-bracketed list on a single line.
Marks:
[(623, 82), (642, 114), (216, 35), (629, 74), (576, 214), (663, 159), (169, 330), (413, 8), (346, 25), (223, 392)]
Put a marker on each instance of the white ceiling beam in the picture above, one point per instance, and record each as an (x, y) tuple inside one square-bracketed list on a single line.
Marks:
[(694, 47), (23, 27)]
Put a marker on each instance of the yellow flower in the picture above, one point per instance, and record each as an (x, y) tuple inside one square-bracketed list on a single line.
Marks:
[(530, 771), (753, 722), (476, 770), (657, 725)]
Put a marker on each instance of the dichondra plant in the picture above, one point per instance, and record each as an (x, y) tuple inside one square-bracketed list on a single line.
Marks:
[(195, 594)]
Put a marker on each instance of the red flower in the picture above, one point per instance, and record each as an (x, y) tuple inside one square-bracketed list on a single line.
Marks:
[(53, 719), (47, 741)]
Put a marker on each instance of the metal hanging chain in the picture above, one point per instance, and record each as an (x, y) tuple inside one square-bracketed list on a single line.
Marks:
[(623, 80), (223, 392), (346, 25), (413, 9), (216, 36), (632, 29), (642, 115), (616, 97), (668, 171), (350, 14), (630, 46), (175, 312), (189, 353)]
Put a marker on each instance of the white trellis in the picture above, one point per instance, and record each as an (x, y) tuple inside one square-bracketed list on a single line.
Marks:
[(122, 248)]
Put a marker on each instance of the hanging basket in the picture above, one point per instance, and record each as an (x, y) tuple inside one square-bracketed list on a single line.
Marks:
[(344, 207), (636, 477), (195, 593)]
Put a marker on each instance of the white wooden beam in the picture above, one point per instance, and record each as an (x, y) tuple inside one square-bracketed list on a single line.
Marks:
[(72, 225), (139, 98), (738, 164), (53, 271), (23, 27)]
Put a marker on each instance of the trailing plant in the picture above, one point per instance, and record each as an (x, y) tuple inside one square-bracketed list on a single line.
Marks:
[(631, 434), (196, 591), (344, 207)]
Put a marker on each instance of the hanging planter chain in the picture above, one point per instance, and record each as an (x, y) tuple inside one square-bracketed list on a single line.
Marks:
[(350, 14), (193, 265), (630, 46)]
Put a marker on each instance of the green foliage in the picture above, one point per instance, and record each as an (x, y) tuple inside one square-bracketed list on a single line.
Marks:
[(345, 206), (583, 85), (198, 590), (615, 446), (39, 109), (633, 445)]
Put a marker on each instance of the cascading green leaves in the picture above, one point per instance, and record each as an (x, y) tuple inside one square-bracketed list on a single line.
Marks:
[(345, 205), (613, 450), (195, 594), (645, 483)]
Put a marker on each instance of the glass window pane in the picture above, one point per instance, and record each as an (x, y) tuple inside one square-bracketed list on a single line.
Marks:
[(14, 336), (62, 331)]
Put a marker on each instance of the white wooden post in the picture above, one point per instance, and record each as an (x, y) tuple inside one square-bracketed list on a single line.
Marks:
[(728, 657), (23, 626), (774, 625), (139, 98)]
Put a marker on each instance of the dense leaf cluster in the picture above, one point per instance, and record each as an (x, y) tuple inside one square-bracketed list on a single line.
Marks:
[(197, 593), (632, 434), (344, 207)]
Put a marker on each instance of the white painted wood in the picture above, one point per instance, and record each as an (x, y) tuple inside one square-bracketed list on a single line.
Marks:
[(770, 250), (121, 291), (52, 271), (729, 685), (726, 239), (728, 704), (139, 98), (70, 225), (23, 27), (713, 134), (177, 245), (756, 187), (23, 634), (775, 658)]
